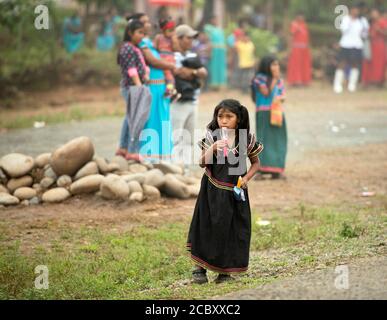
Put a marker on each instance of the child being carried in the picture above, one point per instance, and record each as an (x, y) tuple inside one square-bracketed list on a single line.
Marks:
[(166, 43)]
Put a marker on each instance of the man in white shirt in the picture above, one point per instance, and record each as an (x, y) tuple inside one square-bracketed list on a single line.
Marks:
[(354, 30), (184, 111)]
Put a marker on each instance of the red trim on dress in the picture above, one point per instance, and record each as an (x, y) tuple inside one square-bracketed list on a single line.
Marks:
[(219, 182), (217, 269), (271, 169)]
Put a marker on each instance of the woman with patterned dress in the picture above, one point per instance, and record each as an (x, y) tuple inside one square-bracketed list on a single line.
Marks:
[(156, 140), (268, 91)]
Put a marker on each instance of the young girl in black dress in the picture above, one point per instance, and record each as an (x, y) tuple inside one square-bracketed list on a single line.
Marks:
[(220, 231)]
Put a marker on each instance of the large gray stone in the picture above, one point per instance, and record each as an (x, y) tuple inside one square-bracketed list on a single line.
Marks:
[(151, 192), (137, 168), (35, 201), (135, 186), (16, 164), (123, 164), (102, 164), (139, 177), (87, 170), (175, 188), (3, 189), (16, 183), (42, 160), (64, 181), (68, 159), (154, 177), (89, 184), (166, 167), (25, 193), (8, 200), (114, 187), (49, 173), (46, 183), (56, 195), (194, 190), (136, 196)]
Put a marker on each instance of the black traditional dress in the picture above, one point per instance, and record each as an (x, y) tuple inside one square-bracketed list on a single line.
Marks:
[(220, 231)]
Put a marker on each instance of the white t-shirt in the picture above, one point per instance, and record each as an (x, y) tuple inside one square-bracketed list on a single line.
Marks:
[(353, 32)]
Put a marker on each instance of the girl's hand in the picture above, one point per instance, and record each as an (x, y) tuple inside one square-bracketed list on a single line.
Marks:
[(244, 183), (219, 145)]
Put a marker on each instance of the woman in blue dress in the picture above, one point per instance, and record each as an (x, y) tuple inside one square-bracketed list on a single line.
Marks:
[(73, 38), (106, 39)]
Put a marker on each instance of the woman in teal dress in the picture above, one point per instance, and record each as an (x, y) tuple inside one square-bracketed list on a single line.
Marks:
[(267, 91), (106, 39), (156, 143), (217, 65), (73, 38)]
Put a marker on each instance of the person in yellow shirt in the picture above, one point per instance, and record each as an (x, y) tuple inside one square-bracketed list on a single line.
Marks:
[(246, 61)]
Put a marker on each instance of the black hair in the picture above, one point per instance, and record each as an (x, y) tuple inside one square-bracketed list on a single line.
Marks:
[(132, 26), (265, 68), (164, 21), (136, 16), (238, 109)]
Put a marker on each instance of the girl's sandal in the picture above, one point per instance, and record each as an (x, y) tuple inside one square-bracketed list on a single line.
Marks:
[(199, 276), (223, 278)]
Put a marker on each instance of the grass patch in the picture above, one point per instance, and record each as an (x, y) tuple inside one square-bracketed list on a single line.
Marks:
[(151, 263)]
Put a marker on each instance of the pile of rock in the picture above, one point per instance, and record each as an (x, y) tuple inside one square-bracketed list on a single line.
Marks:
[(73, 169)]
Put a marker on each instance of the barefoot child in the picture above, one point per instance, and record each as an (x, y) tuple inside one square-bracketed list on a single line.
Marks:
[(166, 44), (219, 235)]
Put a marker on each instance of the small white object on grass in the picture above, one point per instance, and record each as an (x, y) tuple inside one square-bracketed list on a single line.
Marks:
[(335, 129), (363, 130), (39, 124), (262, 223)]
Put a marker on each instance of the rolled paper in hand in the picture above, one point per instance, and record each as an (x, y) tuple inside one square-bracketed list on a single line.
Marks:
[(225, 137)]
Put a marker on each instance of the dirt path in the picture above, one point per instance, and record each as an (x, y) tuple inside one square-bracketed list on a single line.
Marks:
[(364, 279), (316, 119)]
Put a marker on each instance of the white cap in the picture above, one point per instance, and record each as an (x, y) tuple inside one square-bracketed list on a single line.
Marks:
[(185, 30)]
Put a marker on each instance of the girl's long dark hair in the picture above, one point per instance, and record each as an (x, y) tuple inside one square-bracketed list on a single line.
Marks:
[(265, 68), (131, 27), (238, 109)]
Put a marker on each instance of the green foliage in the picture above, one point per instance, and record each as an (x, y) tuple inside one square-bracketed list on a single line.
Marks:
[(265, 42), (349, 232)]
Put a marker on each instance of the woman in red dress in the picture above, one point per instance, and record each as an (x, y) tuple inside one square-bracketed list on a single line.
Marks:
[(374, 70), (300, 63)]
